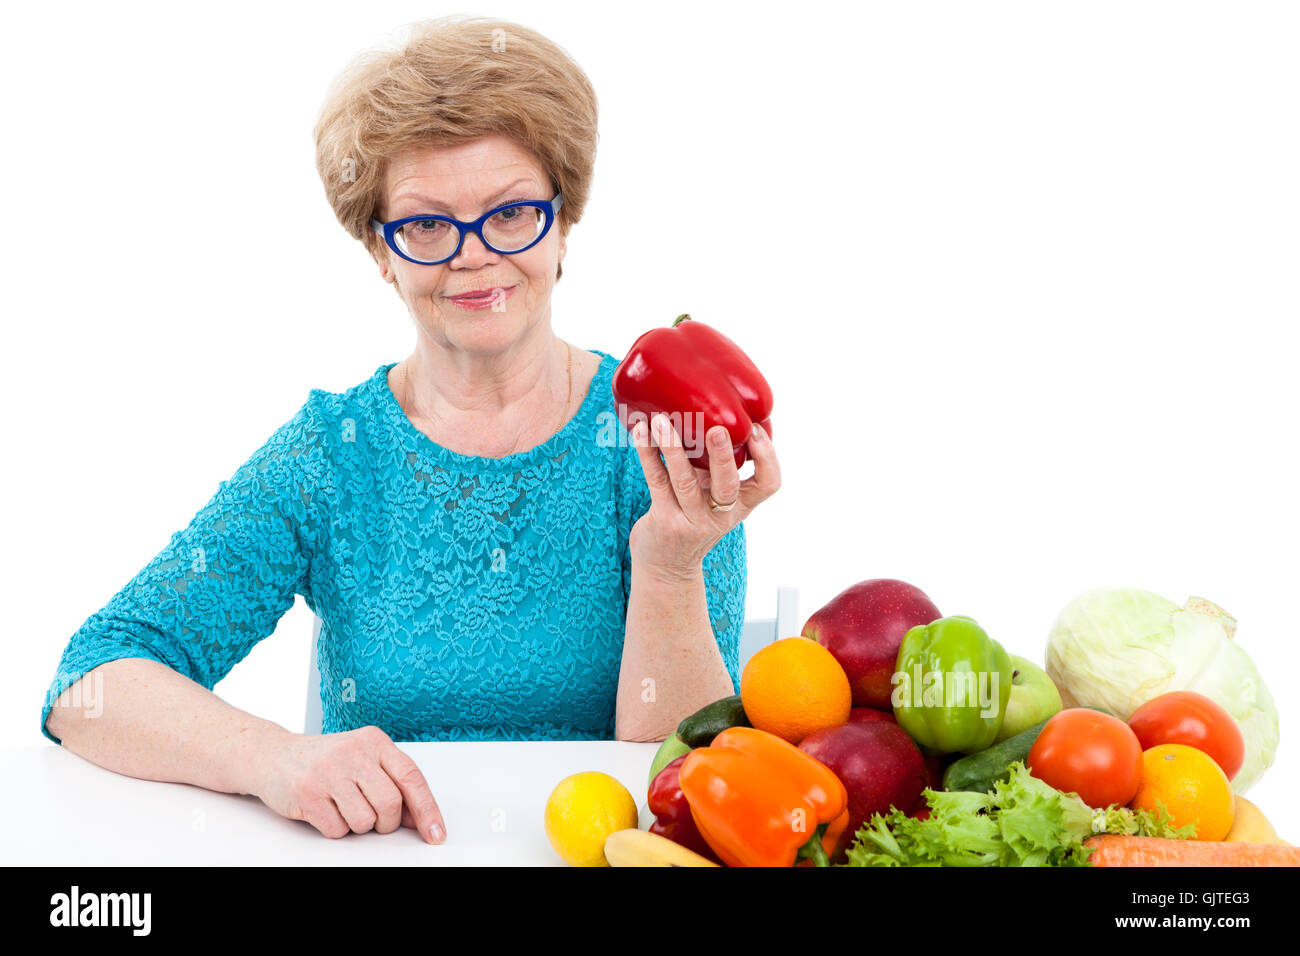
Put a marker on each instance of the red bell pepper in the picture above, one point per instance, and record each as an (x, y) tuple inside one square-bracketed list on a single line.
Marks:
[(673, 814), (699, 378)]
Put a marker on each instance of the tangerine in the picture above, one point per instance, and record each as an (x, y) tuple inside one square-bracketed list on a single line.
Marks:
[(1190, 785), (794, 687)]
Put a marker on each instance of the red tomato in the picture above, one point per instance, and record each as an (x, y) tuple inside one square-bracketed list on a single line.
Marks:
[(1089, 753), (1186, 717)]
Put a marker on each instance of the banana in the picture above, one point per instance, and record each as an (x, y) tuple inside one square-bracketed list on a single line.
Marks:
[(1249, 825), (634, 847)]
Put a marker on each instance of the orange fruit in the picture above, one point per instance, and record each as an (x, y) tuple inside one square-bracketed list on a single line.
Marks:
[(793, 687), (1192, 787)]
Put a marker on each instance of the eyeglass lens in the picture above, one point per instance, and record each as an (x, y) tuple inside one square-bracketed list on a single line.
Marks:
[(508, 230)]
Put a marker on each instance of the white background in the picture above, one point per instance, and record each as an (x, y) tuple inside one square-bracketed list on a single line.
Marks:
[(1022, 277)]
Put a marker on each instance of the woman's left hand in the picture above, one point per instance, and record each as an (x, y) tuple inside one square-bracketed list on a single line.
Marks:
[(681, 527)]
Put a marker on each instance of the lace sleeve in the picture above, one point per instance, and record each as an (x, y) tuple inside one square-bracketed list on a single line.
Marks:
[(219, 585), (725, 569), (725, 577)]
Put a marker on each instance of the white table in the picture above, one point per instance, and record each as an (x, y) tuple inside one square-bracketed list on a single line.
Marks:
[(65, 811)]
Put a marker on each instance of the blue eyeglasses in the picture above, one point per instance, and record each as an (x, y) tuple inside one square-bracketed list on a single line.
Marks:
[(428, 240)]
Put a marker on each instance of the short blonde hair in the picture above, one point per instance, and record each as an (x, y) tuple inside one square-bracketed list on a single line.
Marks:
[(453, 80)]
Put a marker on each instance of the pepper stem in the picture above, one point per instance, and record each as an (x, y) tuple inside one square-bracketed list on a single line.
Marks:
[(813, 849), (680, 319)]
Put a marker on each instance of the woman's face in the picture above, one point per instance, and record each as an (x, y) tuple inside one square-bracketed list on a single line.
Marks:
[(465, 181)]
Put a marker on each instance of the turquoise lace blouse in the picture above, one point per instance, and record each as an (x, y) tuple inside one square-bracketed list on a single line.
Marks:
[(462, 598)]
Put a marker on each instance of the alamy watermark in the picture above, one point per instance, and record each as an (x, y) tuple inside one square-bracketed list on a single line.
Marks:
[(612, 433), (946, 689), (76, 908), (86, 693)]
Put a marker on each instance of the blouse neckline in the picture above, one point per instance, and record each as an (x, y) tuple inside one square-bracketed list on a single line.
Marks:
[(396, 416)]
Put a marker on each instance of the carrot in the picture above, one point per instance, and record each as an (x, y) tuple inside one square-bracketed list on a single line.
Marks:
[(1114, 850)]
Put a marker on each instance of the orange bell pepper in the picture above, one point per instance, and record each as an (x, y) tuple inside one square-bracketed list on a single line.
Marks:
[(760, 801)]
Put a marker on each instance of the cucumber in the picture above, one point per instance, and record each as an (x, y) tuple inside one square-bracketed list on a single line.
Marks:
[(699, 729), (980, 771)]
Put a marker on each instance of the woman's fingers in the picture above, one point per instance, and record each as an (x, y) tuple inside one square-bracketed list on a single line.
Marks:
[(353, 807), (723, 482), (656, 475), (766, 479), (380, 784), (674, 481), (417, 798), (682, 478), (384, 798), (322, 813), (352, 781)]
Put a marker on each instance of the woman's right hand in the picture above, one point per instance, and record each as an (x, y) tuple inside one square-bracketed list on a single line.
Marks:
[(350, 782)]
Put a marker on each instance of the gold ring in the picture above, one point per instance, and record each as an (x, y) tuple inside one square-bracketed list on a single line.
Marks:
[(717, 507)]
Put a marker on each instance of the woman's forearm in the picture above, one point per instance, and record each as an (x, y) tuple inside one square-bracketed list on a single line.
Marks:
[(155, 724), (671, 663)]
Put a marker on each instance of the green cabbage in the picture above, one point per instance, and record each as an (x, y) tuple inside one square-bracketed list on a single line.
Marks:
[(1116, 648)]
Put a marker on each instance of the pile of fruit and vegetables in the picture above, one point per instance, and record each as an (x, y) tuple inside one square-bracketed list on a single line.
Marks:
[(888, 734)]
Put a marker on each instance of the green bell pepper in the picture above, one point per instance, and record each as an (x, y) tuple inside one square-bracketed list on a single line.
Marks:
[(951, 686)]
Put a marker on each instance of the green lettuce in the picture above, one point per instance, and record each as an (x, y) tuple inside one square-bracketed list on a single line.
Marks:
[(1021, 822)]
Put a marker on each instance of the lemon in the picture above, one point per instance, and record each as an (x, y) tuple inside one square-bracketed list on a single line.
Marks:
[(581, 811)]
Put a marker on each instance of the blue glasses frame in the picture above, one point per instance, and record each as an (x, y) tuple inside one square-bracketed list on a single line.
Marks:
[(389, 229)]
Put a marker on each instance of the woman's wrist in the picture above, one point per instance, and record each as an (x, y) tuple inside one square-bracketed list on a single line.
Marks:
[(677, 570), (668, 572), (252, 756)]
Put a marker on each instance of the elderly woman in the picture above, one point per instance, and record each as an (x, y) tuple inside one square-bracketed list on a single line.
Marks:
[(485, 566)]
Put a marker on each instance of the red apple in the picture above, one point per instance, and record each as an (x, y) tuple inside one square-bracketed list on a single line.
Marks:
[(863, 626), (878, 764), (935, 764), (866, 714)]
